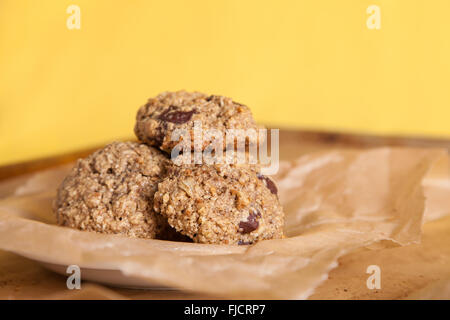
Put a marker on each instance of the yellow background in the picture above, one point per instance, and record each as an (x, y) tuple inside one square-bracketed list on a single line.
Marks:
[(307, 64)]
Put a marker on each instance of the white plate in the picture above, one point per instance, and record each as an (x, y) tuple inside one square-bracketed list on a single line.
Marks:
[(109, 277)]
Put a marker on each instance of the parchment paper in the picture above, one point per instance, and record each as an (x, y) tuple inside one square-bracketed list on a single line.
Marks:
[(335, 202)]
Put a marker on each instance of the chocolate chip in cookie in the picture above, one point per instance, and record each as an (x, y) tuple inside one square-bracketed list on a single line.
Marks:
[(220, 204)]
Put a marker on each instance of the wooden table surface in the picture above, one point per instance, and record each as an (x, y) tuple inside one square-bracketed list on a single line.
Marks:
[(21, 278)]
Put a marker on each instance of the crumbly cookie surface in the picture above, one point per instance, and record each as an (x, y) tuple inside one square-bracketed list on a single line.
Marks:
[(160, 116), (220, 204), (111, 191)]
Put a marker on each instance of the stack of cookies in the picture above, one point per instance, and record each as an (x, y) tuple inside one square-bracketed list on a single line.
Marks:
[(138, 190)]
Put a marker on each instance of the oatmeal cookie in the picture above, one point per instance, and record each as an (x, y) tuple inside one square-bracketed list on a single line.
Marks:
[(112, 190), (229, 157), (221, 204), (160, 116)]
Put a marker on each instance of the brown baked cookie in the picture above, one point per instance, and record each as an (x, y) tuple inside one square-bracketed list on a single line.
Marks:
[(111, 191), (160, 116), (228, 157), (220, 204)]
